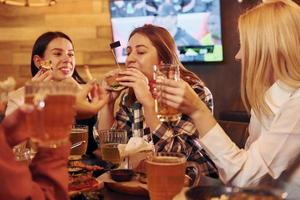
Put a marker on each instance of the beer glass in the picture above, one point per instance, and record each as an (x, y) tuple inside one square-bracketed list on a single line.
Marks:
[(166, 174), (22, 154), (79, 138), (52, 119), (165, 71), (109, 141)]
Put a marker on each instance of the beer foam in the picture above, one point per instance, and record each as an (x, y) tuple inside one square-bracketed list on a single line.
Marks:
[(167, 160), (81, 130)]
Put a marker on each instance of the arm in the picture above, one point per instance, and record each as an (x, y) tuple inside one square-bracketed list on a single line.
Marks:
[(16, 97), (165, 134), (139, 83), (106, 116), (182, 137), (180, 95), (47, 177), (270, 155), (86, 108)]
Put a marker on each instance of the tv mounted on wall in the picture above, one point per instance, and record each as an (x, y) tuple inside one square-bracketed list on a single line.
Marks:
[(194, 24)]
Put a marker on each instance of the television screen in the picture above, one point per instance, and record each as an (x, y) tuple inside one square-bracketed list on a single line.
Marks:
[(194, 24)]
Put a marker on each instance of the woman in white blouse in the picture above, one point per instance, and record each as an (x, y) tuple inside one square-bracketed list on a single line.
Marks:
[(270, 88)]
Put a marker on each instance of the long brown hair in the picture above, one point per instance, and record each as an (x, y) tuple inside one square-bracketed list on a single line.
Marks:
[(270, 40), (166, 49)]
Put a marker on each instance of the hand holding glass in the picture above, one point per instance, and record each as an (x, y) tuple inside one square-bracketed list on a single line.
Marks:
[(165, 71), (51, 121)]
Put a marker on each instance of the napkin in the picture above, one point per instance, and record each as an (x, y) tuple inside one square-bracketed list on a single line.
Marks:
[(135, 150), (134, 145)]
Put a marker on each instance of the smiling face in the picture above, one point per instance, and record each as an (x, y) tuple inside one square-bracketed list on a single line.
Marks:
[(61, 53), (142, 55)]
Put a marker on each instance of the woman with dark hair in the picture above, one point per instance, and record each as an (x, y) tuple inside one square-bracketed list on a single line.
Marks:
[(57, 50), (40, 47), (150, 45)]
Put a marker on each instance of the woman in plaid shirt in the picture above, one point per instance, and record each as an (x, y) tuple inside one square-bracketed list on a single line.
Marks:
[(147, 46)]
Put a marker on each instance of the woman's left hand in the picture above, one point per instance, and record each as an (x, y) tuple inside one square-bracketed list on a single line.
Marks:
[(139, 83)]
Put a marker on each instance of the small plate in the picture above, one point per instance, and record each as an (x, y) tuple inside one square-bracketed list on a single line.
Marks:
[(121, 175), (90, 160), (127, 189), (133, 187)]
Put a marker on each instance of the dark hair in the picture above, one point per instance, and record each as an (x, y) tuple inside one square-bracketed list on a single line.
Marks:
[(166, 48), (40, 46)]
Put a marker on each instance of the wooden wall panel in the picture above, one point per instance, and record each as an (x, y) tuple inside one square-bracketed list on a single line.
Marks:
[(73, 20), (5, 57), (87, 22)]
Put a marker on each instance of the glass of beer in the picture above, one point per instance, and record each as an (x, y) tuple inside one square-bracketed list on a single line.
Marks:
[(52, 119), (79, 139), (165, 71), (109, 141), (165, 174), (22, 154)]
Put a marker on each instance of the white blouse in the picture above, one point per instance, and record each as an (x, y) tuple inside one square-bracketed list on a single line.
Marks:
[(272, 151)]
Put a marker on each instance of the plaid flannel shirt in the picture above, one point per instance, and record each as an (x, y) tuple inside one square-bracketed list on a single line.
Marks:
[(180, 136)]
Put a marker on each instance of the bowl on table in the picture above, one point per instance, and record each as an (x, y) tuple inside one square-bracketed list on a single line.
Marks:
[(121, 175)]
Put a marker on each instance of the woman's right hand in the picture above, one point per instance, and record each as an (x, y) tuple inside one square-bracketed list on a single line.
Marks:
[(113, 95), (42, 75)]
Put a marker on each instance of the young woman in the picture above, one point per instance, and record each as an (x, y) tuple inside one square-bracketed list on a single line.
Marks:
[(270, 86), (57, 49), (150, 45)]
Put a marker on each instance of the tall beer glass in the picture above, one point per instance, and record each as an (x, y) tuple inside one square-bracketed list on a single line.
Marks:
[(52, 120), (165, 71), (166, 174), (79, 135)]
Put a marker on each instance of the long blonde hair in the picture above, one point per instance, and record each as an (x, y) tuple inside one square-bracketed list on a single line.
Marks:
[(270, 43)]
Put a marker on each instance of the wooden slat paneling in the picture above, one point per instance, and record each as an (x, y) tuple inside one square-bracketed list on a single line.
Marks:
[(87, 22)]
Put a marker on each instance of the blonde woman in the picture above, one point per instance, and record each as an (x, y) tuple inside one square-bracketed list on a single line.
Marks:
[(269, 52)]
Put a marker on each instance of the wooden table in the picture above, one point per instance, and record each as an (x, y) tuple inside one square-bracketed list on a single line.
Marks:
[(113, 195)]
